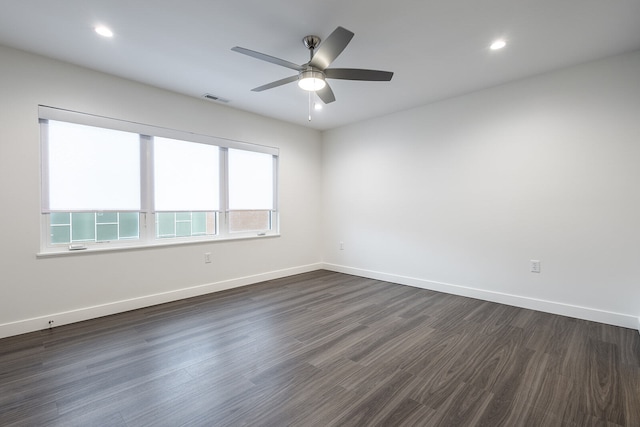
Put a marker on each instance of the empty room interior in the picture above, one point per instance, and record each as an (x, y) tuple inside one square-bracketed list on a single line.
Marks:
[(441, 229)]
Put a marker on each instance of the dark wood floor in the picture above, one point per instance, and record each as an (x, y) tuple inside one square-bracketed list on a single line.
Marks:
[(324, 349)]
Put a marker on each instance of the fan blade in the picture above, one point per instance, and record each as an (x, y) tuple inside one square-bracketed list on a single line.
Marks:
[(331, 48), (268, 58), (275, 84), (326, 94), (358, 74)]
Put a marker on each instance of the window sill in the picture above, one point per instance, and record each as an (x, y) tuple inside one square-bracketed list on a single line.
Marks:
[(95, 249)]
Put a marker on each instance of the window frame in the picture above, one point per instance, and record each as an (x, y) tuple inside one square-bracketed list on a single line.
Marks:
[(147, 215)]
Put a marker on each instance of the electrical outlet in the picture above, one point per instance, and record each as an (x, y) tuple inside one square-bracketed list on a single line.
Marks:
[(207, 258), (535, 266)]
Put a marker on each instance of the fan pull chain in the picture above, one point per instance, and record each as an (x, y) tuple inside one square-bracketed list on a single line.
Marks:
[(310, 105)]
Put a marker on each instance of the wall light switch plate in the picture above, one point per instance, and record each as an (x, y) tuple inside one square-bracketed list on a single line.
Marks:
[(535, 266)]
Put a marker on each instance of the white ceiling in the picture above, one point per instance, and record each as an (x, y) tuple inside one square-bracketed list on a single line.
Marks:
[(437, 49)]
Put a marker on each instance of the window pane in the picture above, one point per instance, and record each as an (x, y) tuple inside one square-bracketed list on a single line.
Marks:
[(129, 225), (61, 218), (199, 223), (250, 180), (92, 169), (93, 226), (185, 224), (249, 221), (107, 218), (166, 224), (106, 232), (186, 175), (83, 226), (61, 234), (183, 229)]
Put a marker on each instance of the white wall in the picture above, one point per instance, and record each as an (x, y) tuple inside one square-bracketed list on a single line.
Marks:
[(461, 194), (456, 196), (73, 288)]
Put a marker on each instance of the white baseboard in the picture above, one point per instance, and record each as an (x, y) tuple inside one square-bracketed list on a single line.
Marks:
[(72, 316), (585, 313), (86, 313)]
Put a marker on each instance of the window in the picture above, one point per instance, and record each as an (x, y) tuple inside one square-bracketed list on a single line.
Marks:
[(250, 190), (185, 224), (82, 162), (76, 227), (115, 183)]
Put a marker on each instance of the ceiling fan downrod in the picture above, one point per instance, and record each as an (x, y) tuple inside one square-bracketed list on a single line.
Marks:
[(311, 42)]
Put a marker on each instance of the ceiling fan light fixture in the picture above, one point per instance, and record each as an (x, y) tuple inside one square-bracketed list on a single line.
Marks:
[(311, 80)]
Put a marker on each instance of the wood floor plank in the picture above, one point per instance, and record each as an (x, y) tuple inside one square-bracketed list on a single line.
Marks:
[(324, 348), (604, 399), (90, 419), (465, 405), (379, 403), (30, 414), (408, 413)]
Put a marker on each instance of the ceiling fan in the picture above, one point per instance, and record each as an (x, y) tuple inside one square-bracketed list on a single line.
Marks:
[(311, 75)]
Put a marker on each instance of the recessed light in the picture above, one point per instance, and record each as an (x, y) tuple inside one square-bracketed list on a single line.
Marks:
[(104, 31), (317, 106), (498, 44)]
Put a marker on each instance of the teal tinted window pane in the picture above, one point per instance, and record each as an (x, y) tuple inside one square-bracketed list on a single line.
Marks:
[(129, 225), (183, 229), (166, 224), (61, 234), (183, 216), (83, 226), (107, 232), (60, 218), (199, 223), (105, 218)]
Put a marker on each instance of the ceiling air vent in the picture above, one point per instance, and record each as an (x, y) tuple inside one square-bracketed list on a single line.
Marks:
[(211, 97)]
